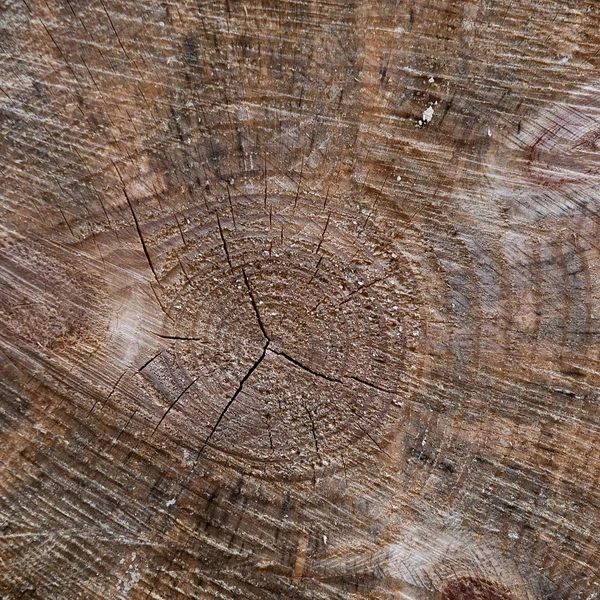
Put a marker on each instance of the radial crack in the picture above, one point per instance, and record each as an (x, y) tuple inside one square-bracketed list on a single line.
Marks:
[(360, 289), (115, 441), (110, 394), (235, 395), (223, 241), (255, 306), (316, 269), (181, 337), (173, 404), (231, 208), (149, 361), (304, 367), (373, 385), (314, 431), (360, 418), (323, 234), (137, 224)]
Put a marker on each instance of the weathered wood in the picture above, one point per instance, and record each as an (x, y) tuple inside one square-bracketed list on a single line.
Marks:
[(299, 299)]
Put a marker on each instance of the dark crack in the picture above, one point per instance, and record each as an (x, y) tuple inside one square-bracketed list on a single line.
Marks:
[(255, 306), (360, 289), (149, 361), (304, 367), (313, 429), (137, 225), (231, 208), (372, 385), (142, 241), (112, 391), (223, 241), (366, 432), (116, 440), (235, 395), (316, 270), (323, 234), (183, 338), (173, 404)]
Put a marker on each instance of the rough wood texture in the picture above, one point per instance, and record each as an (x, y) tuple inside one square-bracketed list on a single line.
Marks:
[(299, 299)]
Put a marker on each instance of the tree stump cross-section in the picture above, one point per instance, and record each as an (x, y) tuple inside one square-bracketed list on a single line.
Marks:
[(299, 299)]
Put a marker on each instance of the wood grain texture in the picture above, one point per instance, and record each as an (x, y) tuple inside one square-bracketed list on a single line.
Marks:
[(299, 299)]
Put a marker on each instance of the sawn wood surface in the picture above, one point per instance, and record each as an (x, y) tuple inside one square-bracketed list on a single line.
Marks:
[(299, 300)]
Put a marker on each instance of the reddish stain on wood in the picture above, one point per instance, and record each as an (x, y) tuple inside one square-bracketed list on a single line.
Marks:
[(474, 589)]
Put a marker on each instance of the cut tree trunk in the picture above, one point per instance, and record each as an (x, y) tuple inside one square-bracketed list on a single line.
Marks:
[(299, 299)]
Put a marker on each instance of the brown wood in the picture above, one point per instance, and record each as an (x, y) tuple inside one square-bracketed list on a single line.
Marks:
[(299, 299)]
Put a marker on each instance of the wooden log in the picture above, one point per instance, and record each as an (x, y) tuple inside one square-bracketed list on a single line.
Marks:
[(299, 299)]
